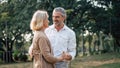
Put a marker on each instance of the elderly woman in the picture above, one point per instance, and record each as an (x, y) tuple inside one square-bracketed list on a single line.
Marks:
[(41, 48)]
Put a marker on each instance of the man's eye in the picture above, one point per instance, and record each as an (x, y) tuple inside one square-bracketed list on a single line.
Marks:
[(57, 16)]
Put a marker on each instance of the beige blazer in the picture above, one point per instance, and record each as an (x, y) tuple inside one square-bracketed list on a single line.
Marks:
[(42, 52)]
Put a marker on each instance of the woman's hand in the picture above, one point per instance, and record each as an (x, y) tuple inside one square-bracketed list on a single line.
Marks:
[(30, 51)]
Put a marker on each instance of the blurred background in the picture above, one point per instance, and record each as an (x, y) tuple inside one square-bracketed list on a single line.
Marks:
[(95, 22)]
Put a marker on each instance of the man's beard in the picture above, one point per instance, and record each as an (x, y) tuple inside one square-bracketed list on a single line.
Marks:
[(57, 23)]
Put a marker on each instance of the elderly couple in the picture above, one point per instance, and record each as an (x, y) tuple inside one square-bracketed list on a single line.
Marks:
[(53, 46)]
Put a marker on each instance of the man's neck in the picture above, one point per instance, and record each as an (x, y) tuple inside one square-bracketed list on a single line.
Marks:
[(59, 27)]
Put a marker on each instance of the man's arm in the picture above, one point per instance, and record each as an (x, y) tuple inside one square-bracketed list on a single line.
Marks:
[(71, 46)]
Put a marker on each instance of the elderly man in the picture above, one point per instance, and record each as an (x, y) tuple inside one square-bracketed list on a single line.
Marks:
[(62, 38)]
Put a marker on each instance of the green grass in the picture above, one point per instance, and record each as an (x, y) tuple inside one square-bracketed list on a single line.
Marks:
[(17, 65), (101, 57), (108, 60), (112, 65)]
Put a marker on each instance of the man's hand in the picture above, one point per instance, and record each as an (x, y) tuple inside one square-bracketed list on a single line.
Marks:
[(67, 56)]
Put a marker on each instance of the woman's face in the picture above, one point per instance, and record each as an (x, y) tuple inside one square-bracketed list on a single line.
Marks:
[(46, 22)]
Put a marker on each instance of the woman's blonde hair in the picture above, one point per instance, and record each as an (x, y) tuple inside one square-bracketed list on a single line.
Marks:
[(37, 20)]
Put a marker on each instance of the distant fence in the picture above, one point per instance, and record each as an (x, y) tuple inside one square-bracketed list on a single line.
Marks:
[(5, 57), (12, 56)]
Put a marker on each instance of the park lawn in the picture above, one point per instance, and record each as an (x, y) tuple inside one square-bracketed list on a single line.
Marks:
[(17, 65), (108, 60)]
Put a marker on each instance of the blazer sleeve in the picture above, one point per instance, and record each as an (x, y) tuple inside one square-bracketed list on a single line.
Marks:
[(46, 51)]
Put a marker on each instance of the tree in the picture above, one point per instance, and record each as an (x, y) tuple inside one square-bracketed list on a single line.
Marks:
[(110, 21), (15, 16)]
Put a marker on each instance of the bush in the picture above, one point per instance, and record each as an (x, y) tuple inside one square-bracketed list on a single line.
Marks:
[(16, 55), (23, 57), (19, 56)]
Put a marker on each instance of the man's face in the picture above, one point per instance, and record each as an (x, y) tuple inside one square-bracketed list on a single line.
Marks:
[(58, 19)]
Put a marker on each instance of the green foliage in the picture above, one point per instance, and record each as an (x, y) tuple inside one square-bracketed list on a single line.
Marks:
[(16, 55), (19, 56), (15, 16), (82, 16), (23, 57)]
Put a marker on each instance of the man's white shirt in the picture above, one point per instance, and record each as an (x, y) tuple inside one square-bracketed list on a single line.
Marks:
[(63, 40)]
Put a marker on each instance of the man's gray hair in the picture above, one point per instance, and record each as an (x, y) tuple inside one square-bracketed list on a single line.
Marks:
[(61, 10)]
